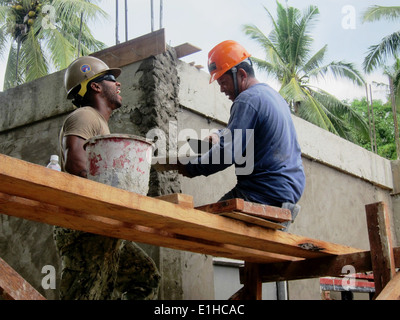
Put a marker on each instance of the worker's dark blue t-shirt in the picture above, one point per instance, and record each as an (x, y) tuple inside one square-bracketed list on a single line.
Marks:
[(261, 141)]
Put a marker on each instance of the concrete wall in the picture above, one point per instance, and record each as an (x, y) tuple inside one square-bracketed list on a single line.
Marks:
[(170, 95)]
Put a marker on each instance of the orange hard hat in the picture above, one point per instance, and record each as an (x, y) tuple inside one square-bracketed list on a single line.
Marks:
[(224, 57)]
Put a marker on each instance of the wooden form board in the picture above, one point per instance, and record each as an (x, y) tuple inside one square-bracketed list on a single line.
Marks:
[(141, 48), (266, 216), (14, 287), (186, 49), (137, 49), (321, 267), (36, 193)]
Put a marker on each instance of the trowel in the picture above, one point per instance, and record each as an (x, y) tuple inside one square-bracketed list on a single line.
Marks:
[(199, 146)]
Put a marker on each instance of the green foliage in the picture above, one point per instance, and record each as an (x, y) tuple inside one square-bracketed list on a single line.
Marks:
[(44, 35), (384, 127), (390, 45)]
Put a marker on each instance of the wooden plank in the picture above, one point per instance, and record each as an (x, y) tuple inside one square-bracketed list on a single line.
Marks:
[(252, 220), (320, 267), (186, 49), (14, 287), (392, 289), (253, 209), (55, 215), (47, 186), (252, 289), (183, 200), (138, 49), (380, 239)]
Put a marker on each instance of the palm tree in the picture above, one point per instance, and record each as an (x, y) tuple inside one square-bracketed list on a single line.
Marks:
[(390, 45), (290, 61), (45, 35), (378, 55)]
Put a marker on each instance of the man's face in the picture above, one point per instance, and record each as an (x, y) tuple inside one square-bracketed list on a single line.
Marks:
[(227, 86), (111, 92)]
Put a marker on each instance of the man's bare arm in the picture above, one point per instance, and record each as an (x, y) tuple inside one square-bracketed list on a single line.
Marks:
[(76, 156)]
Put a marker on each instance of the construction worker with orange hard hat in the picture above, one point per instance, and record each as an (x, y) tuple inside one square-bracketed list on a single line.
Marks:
[(260, 138)]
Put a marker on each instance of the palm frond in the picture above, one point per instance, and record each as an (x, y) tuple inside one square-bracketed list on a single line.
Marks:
[(293, 91), (376, 12), (67, 8), (4, 10), (267, 67), (340, 70), (11, 79), (343, 112), (302, 36), (61, 50), (3, 39), (313, 111), (315, 61), (378, 54), (256, 34), (34, 58)]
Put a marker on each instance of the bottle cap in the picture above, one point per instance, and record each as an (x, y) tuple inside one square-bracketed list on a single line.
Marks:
[(54, 158)]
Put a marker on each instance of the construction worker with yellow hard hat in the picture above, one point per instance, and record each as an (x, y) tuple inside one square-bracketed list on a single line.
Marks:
[(83, 71), (94, 89), (260, 138)]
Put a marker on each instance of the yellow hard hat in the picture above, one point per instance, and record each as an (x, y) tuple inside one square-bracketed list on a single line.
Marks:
[(82, 71)]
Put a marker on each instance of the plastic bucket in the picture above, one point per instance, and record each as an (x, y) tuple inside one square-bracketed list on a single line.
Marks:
[(122, 161)]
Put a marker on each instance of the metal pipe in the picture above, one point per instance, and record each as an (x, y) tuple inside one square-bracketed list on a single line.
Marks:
[(152, 15), (126, 20), (116, 23), (161, 13)]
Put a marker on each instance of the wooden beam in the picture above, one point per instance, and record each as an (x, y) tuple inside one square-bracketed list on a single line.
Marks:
[(46, 186), (392, 289), (183, 200), (71, 219), (320, 267), (380, 238), (186, 49), (14, 287), (252, 289), (138, 49)]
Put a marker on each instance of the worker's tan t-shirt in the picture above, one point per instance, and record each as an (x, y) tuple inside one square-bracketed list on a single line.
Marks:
[(86, 123)]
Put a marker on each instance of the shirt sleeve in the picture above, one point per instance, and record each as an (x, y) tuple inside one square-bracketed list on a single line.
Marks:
[(83, 124), (235, 144)]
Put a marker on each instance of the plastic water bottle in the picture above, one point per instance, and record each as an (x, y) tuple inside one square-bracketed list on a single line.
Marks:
[(54, 163)]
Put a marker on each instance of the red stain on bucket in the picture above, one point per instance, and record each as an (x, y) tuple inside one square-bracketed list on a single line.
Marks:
[(122, 161)]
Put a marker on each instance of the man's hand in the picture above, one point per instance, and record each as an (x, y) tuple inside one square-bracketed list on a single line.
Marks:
[(213, 138)]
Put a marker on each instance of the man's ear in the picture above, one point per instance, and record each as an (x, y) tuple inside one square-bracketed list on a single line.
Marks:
[(95, 87), (242, 75)]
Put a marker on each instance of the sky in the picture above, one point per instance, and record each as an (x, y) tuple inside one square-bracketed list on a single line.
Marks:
[(206, 23)]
